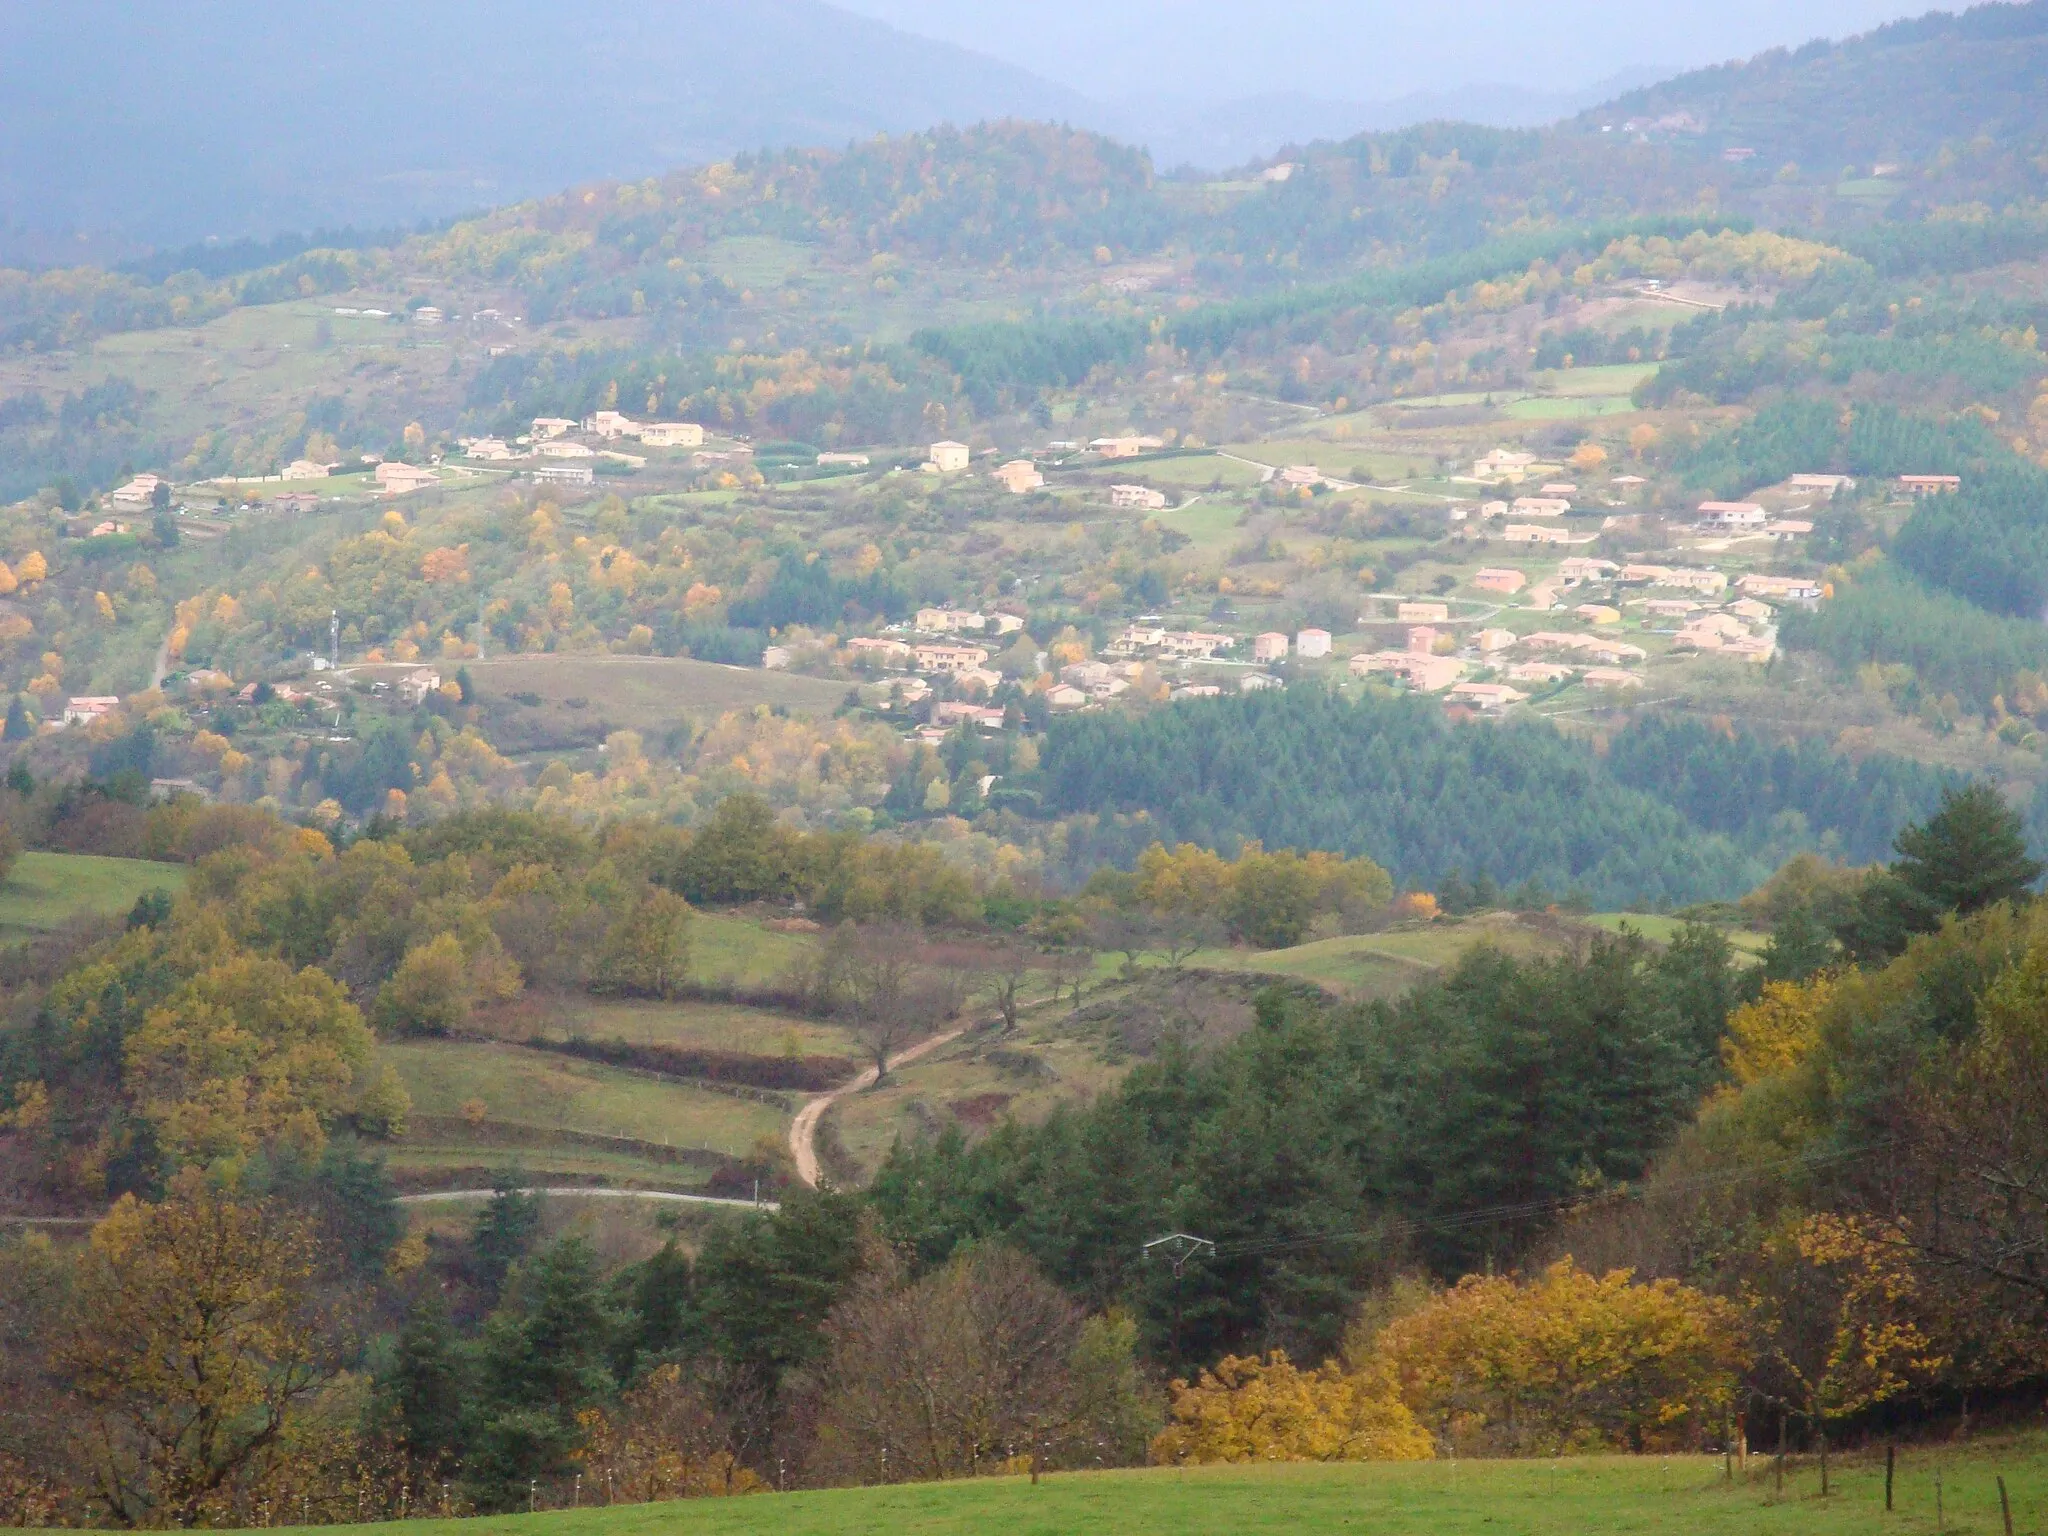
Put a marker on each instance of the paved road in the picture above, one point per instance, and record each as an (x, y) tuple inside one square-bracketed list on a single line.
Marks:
[(803, 1131), (665, 1196)]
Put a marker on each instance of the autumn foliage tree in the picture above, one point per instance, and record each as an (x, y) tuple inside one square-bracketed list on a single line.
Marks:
[(1249, 1409), (196, 1339), (1565, 1360)]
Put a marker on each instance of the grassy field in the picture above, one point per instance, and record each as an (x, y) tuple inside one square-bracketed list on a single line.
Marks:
[(736, 951), (45, 889), (1387, 964), (523, 1088), (701, 1026), (1643, 1494), (647, 693), (1662, 930)]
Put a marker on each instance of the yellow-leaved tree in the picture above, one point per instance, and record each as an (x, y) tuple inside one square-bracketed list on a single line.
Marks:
[(248, 1053), (196, 1339), (1774, 1034), (1565, 1360), (1249, 1409)]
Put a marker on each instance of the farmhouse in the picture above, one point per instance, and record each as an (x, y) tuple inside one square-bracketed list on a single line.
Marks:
[(1301, 477), (1311, 643), (414, 687), (490, 450), (1423, 613), (545, 427), (306, 469), (1540, 506), (1500, 579), (948, 458), (1272, 646)]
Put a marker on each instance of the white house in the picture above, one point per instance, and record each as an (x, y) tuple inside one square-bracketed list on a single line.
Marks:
[(1136, 498), (86, 708), (1733, 516), (545, 427), (1311, 643), (949, 458)]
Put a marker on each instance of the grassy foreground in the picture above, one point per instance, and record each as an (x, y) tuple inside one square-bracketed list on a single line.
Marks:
[(1586, 1494)]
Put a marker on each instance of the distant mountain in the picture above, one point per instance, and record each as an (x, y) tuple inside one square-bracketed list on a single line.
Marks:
[(1942, 86), (166, 122), (1228, 133)]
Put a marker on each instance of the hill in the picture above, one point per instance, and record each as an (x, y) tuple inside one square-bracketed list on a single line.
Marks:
[(382, 113)]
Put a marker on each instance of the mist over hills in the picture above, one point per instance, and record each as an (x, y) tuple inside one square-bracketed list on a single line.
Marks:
[(168, 124)]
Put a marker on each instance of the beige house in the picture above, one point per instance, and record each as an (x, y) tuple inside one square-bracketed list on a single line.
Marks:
[(949, 621), (610, 424), (545, 427), (1597, 613), (1822, 485), (948, 658), (1125, 447), (1612, 677), (1423, 613), (1503, 464), (1535, 533), (1065, 696), (1194, 642), (1271, 646), (560, 448), (1491, 640), (1585, 568), (676, 434), (1500, 579), (395, 479), (137, 492), (564, 474), (880, 652), (306, 469), (842, 460), (1487, 695), (1791, 589), (1930, 485), (1312, 643), (1540, 506), (1136, 498), (1019, 477), (1301, 477), (1422, 639), (1538, 672), (489, 450), (1425, 674), (949, 458)]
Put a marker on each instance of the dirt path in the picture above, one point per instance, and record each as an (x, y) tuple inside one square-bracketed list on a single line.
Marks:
[(803, 1131)]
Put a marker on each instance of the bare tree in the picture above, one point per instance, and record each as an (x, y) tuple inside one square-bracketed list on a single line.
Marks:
[(952, 1376), (880, 979)]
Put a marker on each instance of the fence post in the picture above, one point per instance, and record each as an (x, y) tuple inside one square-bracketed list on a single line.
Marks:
[(2005, 1507), (1890, 1454)]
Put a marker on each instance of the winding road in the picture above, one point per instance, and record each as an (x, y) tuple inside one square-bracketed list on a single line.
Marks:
[(803, 1131)]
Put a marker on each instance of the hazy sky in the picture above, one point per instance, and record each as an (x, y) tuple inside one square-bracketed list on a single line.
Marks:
[(1364, 50)]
